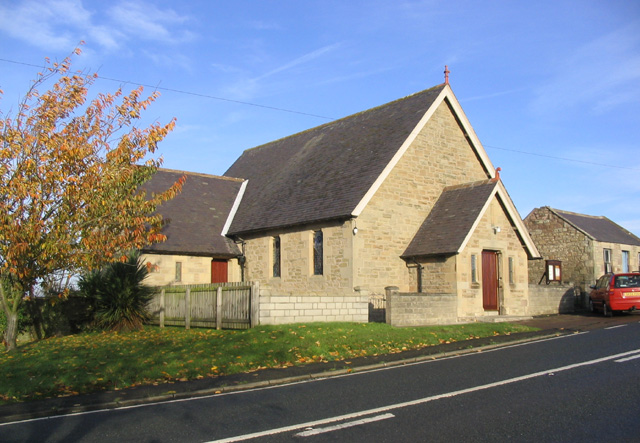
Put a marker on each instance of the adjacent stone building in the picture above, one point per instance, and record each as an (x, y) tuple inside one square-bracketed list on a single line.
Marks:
[(586, 247), (195, 252)]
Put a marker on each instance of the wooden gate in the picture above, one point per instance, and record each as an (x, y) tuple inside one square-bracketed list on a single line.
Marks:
[(228, 306)]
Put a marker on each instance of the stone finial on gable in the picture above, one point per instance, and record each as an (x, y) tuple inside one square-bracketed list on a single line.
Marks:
[(446, 74)]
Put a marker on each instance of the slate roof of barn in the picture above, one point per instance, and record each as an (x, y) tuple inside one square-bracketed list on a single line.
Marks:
[(599, 228), (323, 173), (195, 218)]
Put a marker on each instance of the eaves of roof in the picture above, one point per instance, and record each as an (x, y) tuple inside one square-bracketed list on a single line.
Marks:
[(332, 171), (598, 228)]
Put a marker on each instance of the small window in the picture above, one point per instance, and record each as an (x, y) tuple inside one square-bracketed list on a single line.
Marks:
[(607, 260), (178, 271), (554, 270), (474, 268), (625, 261), (638, 261), (276, 256), (317, 253), (511, 271)]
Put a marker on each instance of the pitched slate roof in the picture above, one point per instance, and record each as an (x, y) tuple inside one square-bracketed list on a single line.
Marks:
[(599, 228), (323, 173), (451, 220), (195, 217)]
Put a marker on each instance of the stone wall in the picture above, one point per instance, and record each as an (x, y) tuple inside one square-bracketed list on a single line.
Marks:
[(439, 156), (558, 240), (582, 258), (552, 299), (195, 270), (282, 309), (296, 259), (420, 309), (616, 258), (513, 288)]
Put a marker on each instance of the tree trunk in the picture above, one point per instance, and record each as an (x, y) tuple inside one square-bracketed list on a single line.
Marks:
[(11, 333), (10, 299)]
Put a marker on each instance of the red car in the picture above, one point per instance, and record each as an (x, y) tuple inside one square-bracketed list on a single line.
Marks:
[(616, 292)]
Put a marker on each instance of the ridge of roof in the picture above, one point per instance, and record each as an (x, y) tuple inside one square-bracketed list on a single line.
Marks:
[(200, 174), (470, 184), (598, 227), (324, 172), (342, 119)]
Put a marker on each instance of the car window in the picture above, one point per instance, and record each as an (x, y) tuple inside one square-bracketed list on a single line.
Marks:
[(602, 282), (622, 281), (634, 281), (627, 281)]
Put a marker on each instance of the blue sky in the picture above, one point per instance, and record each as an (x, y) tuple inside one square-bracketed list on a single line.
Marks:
[(552, 88)]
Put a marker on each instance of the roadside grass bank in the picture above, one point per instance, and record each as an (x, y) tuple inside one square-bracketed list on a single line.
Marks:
[(96, 361)]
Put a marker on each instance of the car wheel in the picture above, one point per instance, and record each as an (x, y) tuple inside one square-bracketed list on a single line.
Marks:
[(591, 307), (606, 310)]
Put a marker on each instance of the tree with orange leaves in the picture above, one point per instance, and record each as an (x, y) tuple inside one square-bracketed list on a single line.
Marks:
[(70, 177)]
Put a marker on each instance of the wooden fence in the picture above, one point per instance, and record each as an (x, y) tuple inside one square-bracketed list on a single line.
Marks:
[(227, 305)]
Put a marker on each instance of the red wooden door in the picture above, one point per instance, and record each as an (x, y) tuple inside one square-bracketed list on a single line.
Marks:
[(490, 280), (218, 271)]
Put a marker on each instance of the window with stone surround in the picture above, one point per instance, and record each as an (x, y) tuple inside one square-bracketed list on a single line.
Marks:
[(276, 256), (625, 261), (512, 279), (554, 270), (178, 271), (474, 268), (318, 267), (607, 260)]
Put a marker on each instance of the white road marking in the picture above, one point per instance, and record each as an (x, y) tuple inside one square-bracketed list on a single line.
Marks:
[(627, 359), (614, 327), (350, 424), (277, 386), (384, 409)]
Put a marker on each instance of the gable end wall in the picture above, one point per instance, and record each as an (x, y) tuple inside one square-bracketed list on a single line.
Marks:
[(558, 240), (440, 156)]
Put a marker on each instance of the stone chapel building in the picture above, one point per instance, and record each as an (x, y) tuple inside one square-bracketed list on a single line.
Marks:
[(400, 195)]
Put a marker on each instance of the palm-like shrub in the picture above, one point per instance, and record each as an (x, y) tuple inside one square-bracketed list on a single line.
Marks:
[(121, 299)]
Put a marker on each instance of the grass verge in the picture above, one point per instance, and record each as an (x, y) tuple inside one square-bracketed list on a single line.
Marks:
[(97, 361)]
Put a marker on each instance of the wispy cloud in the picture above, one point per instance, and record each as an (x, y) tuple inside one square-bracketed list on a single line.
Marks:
[(247, 88), (45, 24), (300, 60), (600, 75), (61, 24), (146, 21), (495, 94)]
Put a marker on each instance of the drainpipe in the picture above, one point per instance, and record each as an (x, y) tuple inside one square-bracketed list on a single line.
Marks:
[(242, 259), (419, 268)]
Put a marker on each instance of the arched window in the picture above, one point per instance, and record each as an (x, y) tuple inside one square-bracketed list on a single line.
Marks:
[(317, 253)]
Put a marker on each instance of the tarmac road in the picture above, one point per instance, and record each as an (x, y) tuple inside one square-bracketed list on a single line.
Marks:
[(549, 326)]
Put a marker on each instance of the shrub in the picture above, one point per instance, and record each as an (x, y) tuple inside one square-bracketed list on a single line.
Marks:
[(121, 299), (67, 315)]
